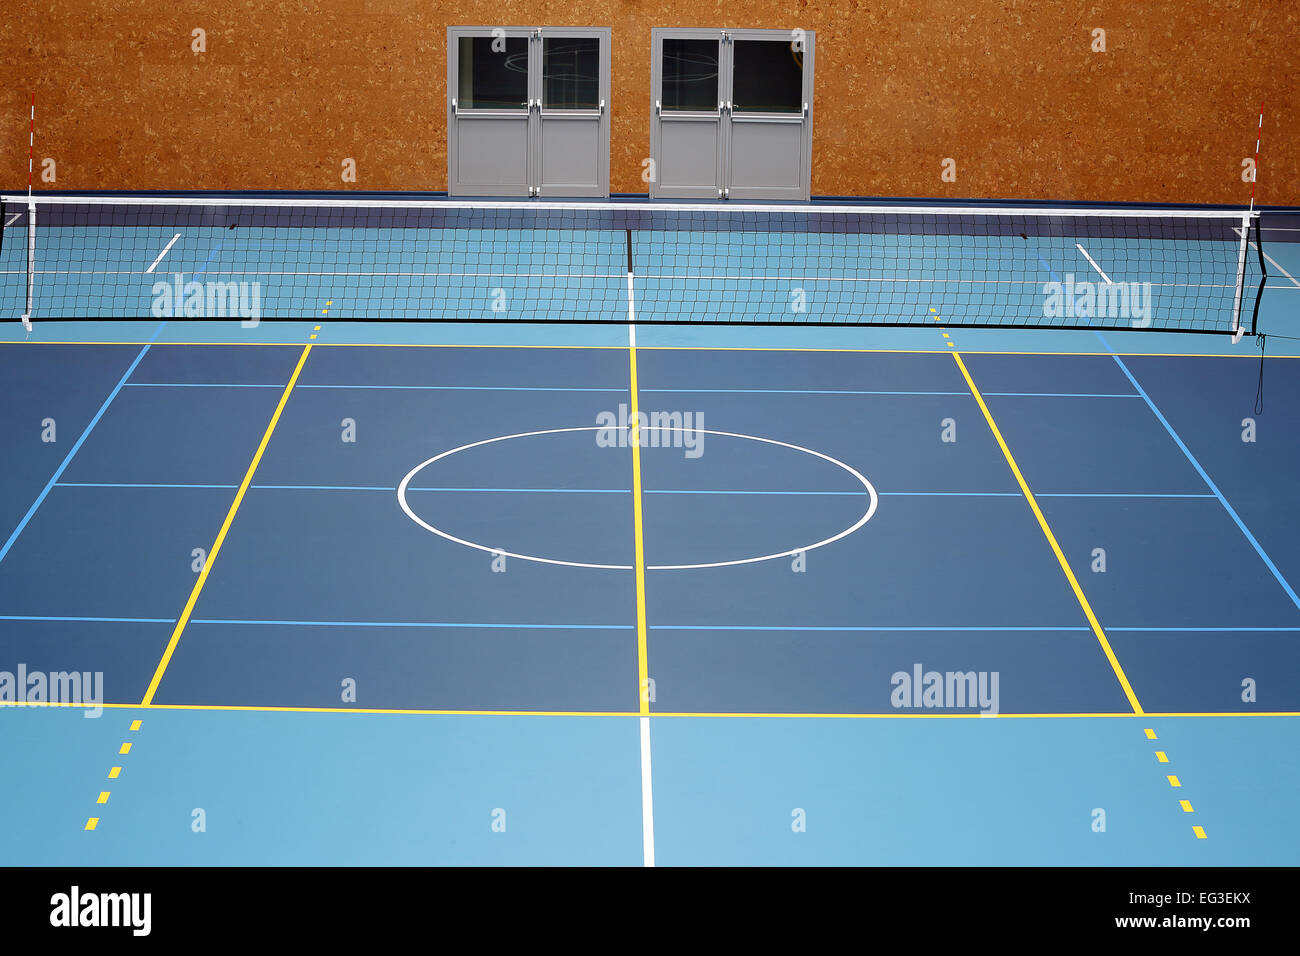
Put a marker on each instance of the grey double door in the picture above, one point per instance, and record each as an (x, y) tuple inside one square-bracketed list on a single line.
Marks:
[(732, 113), (527, 111)]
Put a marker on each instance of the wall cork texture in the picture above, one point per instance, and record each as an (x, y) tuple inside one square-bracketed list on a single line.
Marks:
[(1010, 89)]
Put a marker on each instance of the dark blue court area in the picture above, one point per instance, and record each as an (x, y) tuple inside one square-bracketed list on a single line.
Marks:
[(364, 603)]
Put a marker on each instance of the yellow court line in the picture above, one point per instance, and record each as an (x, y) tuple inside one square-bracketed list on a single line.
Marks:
[(256, 708), (1051, 540), (221, 535), (638, 530)]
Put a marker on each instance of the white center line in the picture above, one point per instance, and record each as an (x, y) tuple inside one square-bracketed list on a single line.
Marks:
[(1094, 264), (166, 249), (647, 797)]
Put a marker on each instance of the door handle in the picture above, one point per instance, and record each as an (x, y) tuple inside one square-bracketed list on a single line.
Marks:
[(805, 109), (602, 107), (453, 106), (658, 107)]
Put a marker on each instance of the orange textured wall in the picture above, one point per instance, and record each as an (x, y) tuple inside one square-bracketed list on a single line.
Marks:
[(1009, 89)]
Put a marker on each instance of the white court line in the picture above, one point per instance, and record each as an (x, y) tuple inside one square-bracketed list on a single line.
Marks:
[(501, 552), (647, 797), (166, 249), (1294, 282), (1079, 246), (16, 217), (700, 208)]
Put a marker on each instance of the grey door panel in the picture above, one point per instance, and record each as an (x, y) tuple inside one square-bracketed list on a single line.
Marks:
[(528, 111), (492, 155), (766, 160), (569, 156), (689, 158)]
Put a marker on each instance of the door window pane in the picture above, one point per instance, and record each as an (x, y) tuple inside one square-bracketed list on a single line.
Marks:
[(767, 77), (570, 73), (492, 79), (690, 75)]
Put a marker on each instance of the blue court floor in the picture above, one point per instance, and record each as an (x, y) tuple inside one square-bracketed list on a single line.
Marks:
[(347, 594)]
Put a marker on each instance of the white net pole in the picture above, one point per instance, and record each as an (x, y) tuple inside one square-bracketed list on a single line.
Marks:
[(1241, 278), (31, 264)]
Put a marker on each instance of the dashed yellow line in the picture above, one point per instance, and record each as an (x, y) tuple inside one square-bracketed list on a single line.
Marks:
[(221, 535), (93, 822)]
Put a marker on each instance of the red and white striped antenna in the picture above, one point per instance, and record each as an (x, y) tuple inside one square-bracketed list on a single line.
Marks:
[(31, 149), (1259, 133), (31, 217)]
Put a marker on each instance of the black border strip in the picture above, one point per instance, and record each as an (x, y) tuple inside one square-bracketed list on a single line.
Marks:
[(1263, 276), (682, 323)]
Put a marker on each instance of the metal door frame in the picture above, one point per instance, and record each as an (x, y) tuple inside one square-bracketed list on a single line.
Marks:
[(723, 116), (601, 113), (657, 36), (455, 113), (805, 119), (531, 114)]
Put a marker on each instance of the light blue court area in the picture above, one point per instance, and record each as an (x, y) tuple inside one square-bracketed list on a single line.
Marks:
[(373, 597)]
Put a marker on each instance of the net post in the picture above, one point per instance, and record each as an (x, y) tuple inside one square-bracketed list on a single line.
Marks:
[(1263, 274), (1244, 231), (31, 263)]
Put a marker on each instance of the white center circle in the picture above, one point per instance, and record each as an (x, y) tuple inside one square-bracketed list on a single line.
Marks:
[(866, 515)]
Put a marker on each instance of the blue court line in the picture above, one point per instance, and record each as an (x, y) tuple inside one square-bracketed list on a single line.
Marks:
[(199, 385), (829, 391), (648, 491), (788, 391), (1232, 513), (326, 487), (675, 391), (476, 388), (1207, 629), (779, 627), (1088, 494), (1064, 394), (582, 627), (76, 447), (628, 627), (214, 251), (111, 484), (93, 620)]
